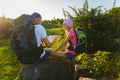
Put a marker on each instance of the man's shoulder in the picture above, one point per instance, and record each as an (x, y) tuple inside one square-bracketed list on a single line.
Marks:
[(38, 26)]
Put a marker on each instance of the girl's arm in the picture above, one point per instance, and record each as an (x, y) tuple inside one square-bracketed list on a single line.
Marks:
[(63, 44), (47, 42)]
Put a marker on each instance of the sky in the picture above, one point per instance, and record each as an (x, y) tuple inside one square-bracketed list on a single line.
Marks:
[(49, 9)]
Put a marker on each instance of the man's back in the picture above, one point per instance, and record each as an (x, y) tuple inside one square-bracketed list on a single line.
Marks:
[(40, 33)]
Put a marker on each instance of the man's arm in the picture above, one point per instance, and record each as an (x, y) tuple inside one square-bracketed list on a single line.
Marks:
[(47, 42)]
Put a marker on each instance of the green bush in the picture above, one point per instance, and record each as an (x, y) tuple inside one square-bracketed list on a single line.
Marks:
[(101, 64), (102, 27)]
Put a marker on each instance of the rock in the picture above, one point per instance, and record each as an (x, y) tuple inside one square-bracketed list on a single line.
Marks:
[(81, 78), (50, 69)]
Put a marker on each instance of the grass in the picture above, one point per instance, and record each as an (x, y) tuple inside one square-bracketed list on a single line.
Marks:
[(9, 65)]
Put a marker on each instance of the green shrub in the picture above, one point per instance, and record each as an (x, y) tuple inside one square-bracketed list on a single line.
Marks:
[(101, 64)]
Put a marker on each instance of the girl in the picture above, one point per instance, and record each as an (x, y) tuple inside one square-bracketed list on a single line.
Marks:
[(70, 38)]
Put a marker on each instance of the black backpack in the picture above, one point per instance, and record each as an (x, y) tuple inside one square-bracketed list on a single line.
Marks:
[(80, 47), (23, 41)]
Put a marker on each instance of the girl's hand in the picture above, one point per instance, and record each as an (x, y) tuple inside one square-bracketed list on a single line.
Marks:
[(56, 38)]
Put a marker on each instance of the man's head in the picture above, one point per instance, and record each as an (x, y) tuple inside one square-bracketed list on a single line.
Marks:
[(37, 19)]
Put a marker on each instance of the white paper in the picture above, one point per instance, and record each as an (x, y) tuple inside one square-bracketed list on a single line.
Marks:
[(51, 37)]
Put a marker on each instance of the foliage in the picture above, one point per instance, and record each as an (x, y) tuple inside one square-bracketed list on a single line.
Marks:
[(6, 27), (101, 64), (55, 23), (102, 27), (56, 31), (9, 66)]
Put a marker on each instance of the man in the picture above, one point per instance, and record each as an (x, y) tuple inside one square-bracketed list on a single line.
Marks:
[(40, 34)]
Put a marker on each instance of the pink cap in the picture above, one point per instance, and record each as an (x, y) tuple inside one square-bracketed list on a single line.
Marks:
[(68, 22)]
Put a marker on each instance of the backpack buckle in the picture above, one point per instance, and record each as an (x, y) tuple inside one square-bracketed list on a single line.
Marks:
[(74, 46)]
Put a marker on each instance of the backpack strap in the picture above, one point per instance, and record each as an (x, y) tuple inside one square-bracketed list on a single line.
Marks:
[(34, 50), (72, 46), (76, 38)]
